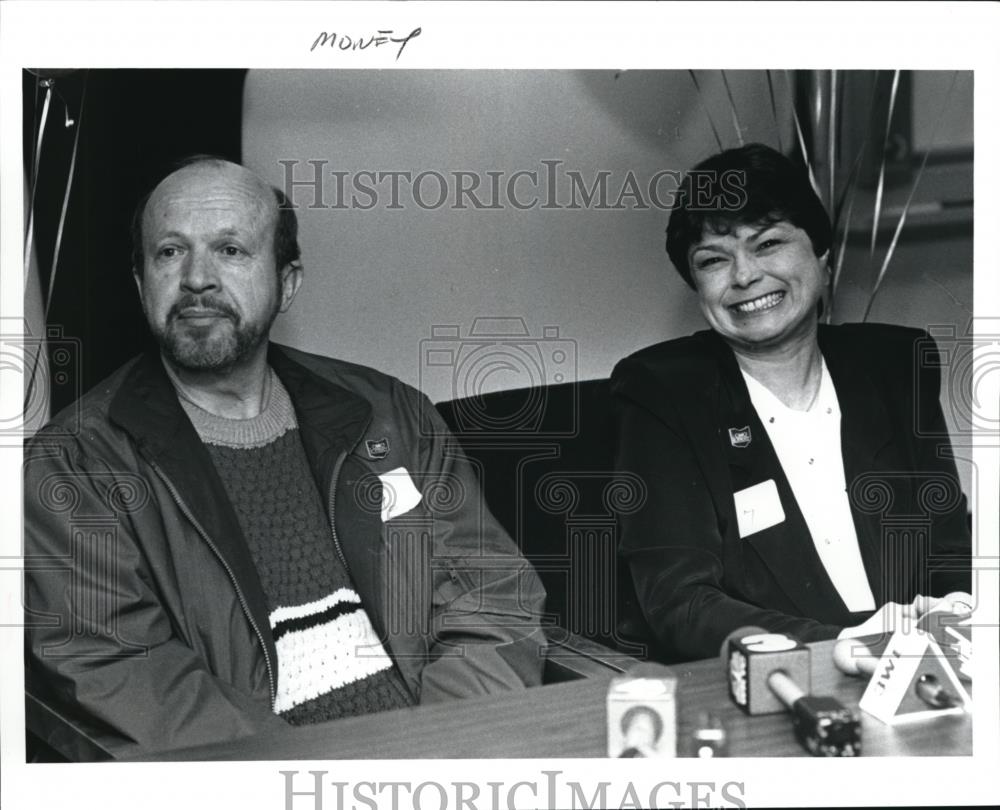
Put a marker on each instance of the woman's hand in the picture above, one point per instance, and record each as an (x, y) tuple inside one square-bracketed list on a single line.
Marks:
[(893, 616), (957, 602)]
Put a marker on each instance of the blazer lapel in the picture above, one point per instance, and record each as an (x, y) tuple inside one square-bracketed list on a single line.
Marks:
[(715, 400), (865, 429), (786, 548)]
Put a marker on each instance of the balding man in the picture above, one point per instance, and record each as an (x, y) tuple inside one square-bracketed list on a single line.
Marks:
[(245, 536)]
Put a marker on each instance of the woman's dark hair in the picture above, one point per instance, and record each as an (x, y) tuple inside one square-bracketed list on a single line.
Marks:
[(286, 231), (751, 185)]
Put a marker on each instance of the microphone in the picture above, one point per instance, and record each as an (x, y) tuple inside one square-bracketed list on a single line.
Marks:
[(932, 692), (642, 713), (750, 656), (856, 659), (749, 630), (950, 625), (911, 680), (708, 738), (770, 672)]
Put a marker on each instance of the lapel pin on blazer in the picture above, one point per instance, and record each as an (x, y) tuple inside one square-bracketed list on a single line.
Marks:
[(377, 448), (740, 437)]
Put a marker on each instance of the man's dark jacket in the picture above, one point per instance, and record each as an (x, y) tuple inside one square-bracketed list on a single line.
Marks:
[(148, 623), (696, 579)]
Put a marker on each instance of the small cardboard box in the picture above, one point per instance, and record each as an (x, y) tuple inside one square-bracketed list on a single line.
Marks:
[(642, 714)]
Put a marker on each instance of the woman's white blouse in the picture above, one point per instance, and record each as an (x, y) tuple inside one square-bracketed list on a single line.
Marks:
[(808, 446)]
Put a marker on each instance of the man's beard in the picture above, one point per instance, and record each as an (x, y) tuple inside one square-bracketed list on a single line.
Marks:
[(219, 347)]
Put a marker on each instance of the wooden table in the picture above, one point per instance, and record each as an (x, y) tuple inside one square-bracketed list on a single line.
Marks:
[(568, 720)]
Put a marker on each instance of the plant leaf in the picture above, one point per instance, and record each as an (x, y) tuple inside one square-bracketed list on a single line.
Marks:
[(909, 200), (802, 140), (732, 108), (774, 110), (704, 104), (881, 168)]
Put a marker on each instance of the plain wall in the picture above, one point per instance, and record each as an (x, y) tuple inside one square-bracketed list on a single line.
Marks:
[(390, 288), (380, 283)]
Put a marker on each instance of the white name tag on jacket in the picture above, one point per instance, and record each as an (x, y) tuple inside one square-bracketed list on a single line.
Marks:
[(758, 508), (399, 495)]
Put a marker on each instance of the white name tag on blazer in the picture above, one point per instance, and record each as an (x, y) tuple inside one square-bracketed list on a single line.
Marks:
[(399, 495), (758, 508)]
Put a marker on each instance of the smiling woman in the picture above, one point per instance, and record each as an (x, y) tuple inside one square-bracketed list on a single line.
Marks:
[(758, 286), (760, 263), (762, 439)]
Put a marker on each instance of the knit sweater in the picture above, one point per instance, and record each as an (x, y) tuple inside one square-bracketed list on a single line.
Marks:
[(330, 662)]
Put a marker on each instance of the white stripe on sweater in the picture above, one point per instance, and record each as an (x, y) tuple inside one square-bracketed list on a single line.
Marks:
[(284, 613), (319, 659)]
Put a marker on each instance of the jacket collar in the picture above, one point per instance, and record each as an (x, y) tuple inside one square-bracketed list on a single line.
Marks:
[(146, 405), (861, 406), (331, 421), (736, 414), (865, 430), (331, 418), (751, 460)]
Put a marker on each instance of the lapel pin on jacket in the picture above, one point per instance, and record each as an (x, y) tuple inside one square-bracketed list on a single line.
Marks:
[(740, 437), (377, 448)]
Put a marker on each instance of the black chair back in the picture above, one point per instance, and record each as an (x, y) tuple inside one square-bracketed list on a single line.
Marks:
[(545, 460)]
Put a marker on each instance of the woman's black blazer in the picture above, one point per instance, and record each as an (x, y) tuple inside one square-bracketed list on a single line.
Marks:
[(696, 579)]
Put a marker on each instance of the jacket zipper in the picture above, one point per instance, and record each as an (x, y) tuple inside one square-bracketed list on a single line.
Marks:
[(239, 594), (407, 697), (332, 509)]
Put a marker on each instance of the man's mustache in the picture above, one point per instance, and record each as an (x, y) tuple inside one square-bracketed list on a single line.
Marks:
[(204, 303)]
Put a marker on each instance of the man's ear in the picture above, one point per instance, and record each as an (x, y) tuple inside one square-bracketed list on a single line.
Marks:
[(137, 278), (291, 280)]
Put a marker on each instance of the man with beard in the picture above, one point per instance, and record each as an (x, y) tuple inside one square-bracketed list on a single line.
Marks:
[(245, 536)]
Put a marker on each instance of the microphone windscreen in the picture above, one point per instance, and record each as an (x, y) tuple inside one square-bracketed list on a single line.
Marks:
[(853, 658), (749, 630)]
